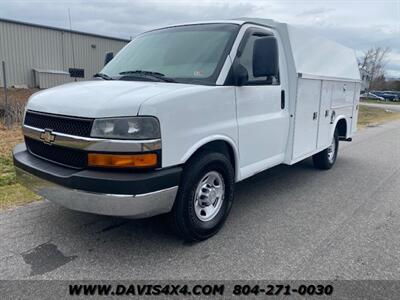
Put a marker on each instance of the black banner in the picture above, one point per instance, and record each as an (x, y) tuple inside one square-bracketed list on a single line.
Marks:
[(178, 289)]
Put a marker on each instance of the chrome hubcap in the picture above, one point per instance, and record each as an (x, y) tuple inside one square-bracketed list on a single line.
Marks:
[(331, 150), (209, 196)]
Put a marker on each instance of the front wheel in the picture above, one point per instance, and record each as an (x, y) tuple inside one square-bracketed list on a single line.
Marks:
[(205, 196), (325, 159)]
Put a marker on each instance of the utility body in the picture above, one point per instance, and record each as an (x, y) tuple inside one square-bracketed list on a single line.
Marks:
[(182, 113)]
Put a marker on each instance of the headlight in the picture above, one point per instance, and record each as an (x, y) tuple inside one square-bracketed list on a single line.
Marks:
[(133, 128)]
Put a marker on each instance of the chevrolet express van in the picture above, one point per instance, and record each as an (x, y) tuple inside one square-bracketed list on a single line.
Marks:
[(182, 113)]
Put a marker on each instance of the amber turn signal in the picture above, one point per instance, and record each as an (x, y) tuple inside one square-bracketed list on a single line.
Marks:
[(122, 160)]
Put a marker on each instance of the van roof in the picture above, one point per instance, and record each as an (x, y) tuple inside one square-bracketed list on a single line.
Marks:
[(312, 56)]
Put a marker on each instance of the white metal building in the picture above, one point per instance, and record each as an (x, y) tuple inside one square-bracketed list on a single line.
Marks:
[(43, 56)]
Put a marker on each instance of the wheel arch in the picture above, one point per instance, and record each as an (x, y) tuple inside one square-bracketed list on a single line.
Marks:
[(342, 124), (218, 143)]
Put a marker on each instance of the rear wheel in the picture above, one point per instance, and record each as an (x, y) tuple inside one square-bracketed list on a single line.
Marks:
[(325, 159), (205, 196)]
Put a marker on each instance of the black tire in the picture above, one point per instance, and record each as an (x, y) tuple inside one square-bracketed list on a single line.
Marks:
[(322, 159), (183, 217)]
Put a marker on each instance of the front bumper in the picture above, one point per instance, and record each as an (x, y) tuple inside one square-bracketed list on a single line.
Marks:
[(116, 193)]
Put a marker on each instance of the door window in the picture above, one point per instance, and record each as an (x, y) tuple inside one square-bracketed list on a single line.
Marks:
[(246, 59)]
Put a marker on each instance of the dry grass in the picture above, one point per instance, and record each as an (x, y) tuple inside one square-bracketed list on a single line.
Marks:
[(380, 102), (371, 116), (11, 193), (16, 99), (16, 95), (9, 138)]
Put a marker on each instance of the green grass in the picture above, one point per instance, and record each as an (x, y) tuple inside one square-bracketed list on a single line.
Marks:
[(11, 193), (7, 175), (14, 195)]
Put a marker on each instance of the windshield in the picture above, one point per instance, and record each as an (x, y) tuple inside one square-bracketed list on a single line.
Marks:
[(187, 54)]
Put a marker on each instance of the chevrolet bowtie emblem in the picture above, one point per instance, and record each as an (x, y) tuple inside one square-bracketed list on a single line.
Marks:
[(47, 136)]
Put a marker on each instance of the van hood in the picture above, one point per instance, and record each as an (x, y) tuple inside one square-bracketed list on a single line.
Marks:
[(99, 98)]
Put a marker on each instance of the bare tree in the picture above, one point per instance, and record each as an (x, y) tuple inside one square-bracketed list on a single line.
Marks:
[(364, 61), (374, 61)]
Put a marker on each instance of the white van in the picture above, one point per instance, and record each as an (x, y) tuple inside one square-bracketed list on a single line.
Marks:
[(182, 113)]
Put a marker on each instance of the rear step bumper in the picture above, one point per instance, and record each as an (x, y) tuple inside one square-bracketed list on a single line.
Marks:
[(345, 139)]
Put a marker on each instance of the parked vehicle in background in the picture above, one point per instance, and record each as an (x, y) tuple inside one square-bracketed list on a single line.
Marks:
[(371, 96), (183, 113), (397, 93), (386, 95)]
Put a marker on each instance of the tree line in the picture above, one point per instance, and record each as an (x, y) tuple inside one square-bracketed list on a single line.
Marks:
[(374, 62)]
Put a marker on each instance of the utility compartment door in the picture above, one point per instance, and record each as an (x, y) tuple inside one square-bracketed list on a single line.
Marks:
[(325, 112), (306, 117)]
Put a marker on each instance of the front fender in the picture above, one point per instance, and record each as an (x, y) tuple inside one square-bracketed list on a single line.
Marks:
[(192, 117), (209, 139)]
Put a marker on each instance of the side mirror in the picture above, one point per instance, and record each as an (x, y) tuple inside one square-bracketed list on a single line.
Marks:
[(109, 56), (265, 57), (240, 74)]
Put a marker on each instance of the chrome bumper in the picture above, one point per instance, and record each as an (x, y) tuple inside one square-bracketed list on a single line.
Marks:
[(132, 206)]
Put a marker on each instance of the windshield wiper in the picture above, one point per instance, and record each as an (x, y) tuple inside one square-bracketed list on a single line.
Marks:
[(103, 76), (142, 73)]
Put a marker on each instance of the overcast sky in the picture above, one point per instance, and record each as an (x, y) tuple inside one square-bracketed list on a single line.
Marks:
[(359, 24)]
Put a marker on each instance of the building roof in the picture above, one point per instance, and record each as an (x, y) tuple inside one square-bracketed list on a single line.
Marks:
[(63, 29)]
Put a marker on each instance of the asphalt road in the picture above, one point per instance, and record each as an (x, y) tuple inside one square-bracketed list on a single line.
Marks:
[(392, 107), (286, 223)]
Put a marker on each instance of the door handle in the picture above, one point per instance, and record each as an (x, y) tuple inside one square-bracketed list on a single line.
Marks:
[(314, 117), (282, 99)]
